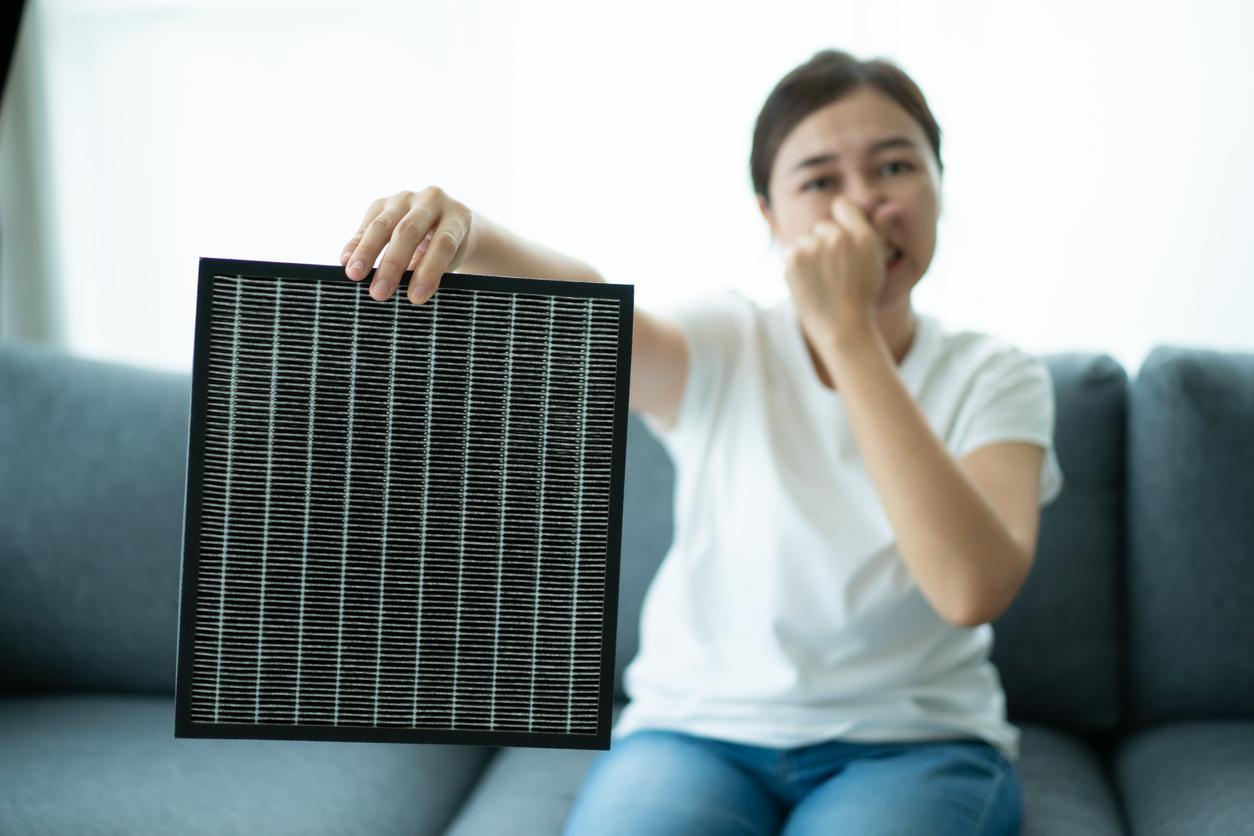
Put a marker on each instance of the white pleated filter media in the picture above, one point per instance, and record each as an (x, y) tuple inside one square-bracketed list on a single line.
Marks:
[(402, 521)]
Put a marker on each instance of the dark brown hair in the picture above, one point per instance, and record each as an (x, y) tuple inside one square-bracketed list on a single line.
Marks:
[(829, 75)]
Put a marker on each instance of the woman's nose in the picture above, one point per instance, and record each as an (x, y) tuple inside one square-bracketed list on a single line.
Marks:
[(864, 197)]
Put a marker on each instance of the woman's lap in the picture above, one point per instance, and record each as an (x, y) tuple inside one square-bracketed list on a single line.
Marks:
[(664, 782), (934, 788)]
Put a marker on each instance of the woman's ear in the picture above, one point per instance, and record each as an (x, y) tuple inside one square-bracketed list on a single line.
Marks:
[(770, 219)]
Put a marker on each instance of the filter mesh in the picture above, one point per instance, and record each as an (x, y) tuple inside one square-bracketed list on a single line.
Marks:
[(402, 521)]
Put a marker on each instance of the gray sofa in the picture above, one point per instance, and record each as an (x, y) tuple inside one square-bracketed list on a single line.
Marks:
[(1128, 658)]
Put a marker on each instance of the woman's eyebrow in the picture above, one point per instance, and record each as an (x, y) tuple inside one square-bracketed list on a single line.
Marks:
[(890, 142)]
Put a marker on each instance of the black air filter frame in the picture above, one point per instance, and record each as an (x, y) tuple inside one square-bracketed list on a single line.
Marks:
[(330, 283)]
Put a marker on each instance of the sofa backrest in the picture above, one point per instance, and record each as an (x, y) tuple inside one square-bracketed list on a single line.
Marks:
[(94, 458), (91, 508), (91, 522), (1191, 536)]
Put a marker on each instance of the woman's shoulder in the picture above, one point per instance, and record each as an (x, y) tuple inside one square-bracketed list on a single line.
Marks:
[(724, 310), (970, 355), (977, 346), (723, 299)]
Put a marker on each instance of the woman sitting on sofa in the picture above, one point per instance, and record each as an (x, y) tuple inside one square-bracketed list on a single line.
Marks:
[(858, 495)]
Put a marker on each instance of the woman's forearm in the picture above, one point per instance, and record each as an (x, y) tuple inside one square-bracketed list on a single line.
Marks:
[(499, 252), (959, 551)]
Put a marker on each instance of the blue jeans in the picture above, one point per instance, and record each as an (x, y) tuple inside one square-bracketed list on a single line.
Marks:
[(660, 782)]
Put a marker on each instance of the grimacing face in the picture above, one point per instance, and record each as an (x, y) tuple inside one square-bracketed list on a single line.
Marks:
[(867, 147)]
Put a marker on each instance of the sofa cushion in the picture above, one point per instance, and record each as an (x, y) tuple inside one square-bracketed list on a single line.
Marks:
[(529, 792), (1058, 647), (111, 764), (1189, 778), (525, 791), (1191, 529), (1066, 788), (95, 461)]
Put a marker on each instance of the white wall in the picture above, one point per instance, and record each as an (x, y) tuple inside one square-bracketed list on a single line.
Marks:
[(1097, 171)]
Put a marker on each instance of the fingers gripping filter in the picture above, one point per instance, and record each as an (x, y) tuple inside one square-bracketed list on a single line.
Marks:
[(402, 521)]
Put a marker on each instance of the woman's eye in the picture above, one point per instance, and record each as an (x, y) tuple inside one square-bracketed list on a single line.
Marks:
[(904, 166)]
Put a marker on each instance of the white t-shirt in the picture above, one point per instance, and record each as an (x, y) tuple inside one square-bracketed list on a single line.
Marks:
[(783, 613)]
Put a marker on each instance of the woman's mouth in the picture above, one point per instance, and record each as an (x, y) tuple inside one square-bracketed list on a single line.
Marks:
[(895, 257)]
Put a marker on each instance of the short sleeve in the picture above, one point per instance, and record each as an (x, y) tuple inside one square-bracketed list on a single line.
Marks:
[(710, 327), (1012, 399)]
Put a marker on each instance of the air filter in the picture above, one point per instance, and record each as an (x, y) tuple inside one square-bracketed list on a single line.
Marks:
[(402, 521)]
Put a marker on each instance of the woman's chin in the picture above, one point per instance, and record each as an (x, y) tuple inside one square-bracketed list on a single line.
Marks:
[(897, 283)]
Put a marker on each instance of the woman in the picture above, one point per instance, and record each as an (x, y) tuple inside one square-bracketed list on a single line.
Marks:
[(858, 494)]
